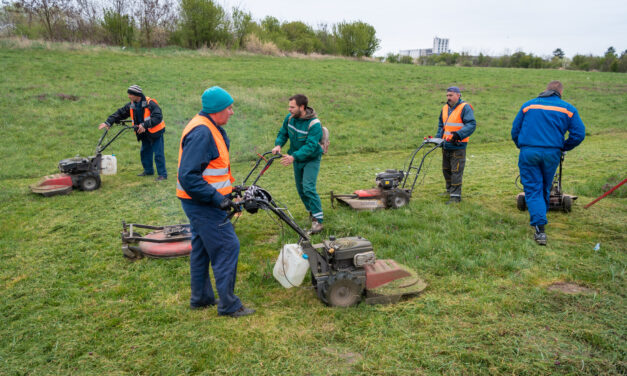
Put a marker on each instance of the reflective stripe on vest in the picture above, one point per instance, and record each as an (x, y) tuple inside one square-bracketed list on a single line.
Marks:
[(218, 172), (453, 122), (155, 128)]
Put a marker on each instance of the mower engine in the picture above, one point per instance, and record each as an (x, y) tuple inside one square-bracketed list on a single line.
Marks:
[(345, 270), (338, 271), (389, 179), (85, 172)]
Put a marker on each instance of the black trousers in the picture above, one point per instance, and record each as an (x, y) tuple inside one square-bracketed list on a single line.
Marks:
[(453, 163)]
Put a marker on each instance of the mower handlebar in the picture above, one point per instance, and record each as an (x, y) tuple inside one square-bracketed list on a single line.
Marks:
[(262, 157), (123, 125), (253, 198)]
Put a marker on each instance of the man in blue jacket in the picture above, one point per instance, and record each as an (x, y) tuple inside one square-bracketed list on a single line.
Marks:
[(304, 131), (456, 123), (204, 186), (538, 131)]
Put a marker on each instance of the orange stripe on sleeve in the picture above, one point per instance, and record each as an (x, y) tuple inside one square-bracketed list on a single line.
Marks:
[(547, 108)]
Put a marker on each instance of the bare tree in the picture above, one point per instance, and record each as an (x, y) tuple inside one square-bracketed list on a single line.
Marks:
[(153, 15), (52, 14)]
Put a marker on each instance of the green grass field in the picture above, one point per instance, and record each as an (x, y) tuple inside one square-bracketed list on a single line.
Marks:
[(71, 304)]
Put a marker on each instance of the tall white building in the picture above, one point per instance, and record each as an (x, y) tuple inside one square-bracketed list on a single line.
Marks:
[(440, 45)]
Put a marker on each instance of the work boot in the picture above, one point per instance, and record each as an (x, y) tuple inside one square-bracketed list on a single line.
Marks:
[(454, 200), (161, 177), (316, 226), (539, 236), (243, 311), (144, 174)]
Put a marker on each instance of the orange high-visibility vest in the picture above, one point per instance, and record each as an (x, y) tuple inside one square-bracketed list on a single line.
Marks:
[(454, 122), (155, 128), (218, 172)]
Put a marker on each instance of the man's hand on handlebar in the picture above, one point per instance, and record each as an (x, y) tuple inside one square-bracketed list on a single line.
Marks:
[(228, 204), (287, 160), (104, 125), (276, 149)]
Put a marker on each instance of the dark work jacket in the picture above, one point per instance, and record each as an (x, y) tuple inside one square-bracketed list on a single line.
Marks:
[(156, 117)]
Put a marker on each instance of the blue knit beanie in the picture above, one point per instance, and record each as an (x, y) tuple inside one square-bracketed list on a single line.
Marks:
[(215, 99), (454, 89)]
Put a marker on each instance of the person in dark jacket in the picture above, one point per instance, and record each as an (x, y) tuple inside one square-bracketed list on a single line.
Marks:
[(456, 124), (304, 131), (146, 116), (538, 131), (204, 186)]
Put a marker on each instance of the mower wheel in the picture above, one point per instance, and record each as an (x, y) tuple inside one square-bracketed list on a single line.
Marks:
[(567, 204), (89, 182), (343, 291), (397, 199), (322, 289), (521, 203)]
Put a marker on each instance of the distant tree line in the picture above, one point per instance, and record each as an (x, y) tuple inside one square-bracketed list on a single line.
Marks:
[(609, 62), (186, 23)]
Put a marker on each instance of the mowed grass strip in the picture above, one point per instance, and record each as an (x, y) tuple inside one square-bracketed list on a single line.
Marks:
[(71, 304)]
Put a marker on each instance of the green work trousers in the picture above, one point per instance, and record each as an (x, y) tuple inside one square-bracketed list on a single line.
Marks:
[(306, 175)]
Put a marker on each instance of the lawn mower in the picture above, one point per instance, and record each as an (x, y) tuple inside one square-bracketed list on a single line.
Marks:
[(78, 172), (558, 200), (392, 190), (161, 242), (172, 240), (343, 270)]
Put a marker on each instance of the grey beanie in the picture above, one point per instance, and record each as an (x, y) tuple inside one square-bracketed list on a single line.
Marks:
[(135, 90)]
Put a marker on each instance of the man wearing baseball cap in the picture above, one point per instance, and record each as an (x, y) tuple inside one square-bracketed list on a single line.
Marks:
[(147, 119), (456, 124), (204, 186)]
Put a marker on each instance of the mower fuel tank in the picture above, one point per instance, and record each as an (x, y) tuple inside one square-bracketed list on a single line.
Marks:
[(342, 251), (389, 179)]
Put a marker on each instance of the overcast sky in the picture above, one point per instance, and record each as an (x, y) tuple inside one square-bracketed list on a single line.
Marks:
[(489, 26)]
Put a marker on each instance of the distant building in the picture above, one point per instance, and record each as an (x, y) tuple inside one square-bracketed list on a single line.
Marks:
[(416, 53), (440, 46)]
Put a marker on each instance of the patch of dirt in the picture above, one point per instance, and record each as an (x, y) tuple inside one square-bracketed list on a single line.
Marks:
[(569, 288), (66, 97), (350, 357), (347, 357)]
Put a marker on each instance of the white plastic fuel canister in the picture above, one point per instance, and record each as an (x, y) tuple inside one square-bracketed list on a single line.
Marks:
[(108, 165), (291, 266)]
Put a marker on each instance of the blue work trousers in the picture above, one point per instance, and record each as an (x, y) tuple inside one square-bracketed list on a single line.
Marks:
[(153, 146), (213, 243), (537, 168)]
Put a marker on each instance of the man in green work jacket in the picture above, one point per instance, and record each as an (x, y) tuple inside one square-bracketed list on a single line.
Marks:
[(304, 131)]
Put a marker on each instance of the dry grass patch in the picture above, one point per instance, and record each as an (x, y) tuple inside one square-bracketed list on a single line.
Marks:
[(569, 288)]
